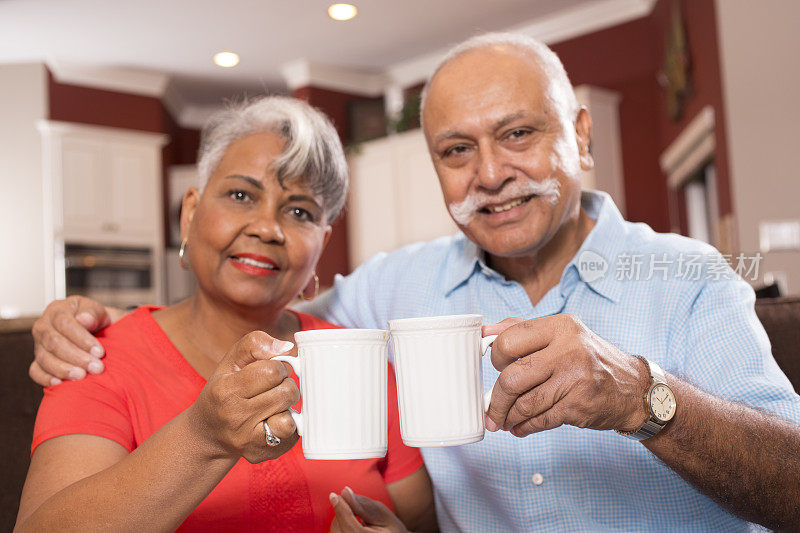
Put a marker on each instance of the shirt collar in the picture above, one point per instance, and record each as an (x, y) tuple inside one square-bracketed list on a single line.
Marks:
[(602, 246), (465, 259), (606, 240)]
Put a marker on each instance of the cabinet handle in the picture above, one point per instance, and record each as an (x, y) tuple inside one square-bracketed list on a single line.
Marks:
[(110, 227)]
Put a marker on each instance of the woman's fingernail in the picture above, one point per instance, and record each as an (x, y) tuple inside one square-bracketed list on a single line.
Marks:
[(97, 351), (95, 367), (490, 425), (333, 498), (282, 346), (76, 373), (54, 382)]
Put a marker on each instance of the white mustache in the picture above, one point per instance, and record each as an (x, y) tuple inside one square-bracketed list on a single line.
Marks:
[(464, 210)]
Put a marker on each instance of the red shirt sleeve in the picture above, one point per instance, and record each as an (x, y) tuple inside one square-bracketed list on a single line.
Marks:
[(401, 460), (91, 406)]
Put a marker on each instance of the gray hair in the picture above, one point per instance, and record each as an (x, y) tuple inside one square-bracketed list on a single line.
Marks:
[(313, 151), (547, 59)]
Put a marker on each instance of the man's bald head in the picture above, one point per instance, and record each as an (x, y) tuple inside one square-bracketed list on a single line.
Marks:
[(545, 59)]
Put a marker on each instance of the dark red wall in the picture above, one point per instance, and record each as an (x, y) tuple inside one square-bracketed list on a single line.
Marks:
[(699, 17), (623, 59), (627, 59), (73, 103)]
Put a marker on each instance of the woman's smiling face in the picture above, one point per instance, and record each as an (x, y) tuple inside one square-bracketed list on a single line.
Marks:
[(253, 242)]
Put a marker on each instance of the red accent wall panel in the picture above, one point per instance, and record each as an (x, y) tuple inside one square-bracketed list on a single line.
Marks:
[(73, 103)]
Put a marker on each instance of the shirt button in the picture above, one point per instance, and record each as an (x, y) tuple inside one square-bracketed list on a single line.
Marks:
[(537, 479)]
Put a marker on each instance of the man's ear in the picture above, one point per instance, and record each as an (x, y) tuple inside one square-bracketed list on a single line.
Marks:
[(583, 135), (188, 206)]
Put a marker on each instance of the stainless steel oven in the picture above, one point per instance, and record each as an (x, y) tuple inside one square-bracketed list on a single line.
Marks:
[(117, 276)]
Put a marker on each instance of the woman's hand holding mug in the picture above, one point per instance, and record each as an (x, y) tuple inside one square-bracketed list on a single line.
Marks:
[(245, 390)]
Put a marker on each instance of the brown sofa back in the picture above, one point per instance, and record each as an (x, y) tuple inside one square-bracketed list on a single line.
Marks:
[(781, 320), (19, 400)]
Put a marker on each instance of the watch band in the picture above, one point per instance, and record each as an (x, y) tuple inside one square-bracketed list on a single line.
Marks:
[(651, 426)]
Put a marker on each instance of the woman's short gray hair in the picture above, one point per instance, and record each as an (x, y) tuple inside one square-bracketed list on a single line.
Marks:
[(313, 151), (547, 59)]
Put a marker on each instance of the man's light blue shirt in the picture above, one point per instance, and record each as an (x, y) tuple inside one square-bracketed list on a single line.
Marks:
[(666, 297)]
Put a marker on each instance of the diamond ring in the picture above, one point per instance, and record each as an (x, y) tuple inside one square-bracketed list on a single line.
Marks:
[(271, 439)]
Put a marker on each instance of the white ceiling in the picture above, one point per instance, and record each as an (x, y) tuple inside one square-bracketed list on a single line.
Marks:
[(176, 39)]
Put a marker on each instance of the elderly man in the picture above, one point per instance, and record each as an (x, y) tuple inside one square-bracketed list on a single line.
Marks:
[(714, 443)]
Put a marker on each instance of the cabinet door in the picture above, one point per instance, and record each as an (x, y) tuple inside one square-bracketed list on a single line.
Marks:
[(133, 180), (371, 211), (84, 186), (422, 214)]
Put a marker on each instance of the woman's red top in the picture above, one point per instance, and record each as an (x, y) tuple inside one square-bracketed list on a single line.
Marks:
[(147, 382)]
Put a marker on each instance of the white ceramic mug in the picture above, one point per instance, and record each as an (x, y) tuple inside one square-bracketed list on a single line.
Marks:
[(343, 380), (440, 379)]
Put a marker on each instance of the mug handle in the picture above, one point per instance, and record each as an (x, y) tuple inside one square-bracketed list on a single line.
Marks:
[(485, 343), (294, 362)]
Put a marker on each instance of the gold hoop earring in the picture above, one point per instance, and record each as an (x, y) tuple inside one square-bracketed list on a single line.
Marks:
[(316, 289), (181, 253)]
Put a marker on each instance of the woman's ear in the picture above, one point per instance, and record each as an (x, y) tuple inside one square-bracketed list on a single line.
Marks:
[(583, 134), (327, 237), (188, 206)]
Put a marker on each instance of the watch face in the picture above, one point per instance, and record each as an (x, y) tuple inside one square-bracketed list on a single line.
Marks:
[(662, 402)]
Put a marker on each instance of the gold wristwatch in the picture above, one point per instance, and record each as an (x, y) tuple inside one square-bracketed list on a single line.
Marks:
[(659, 401)]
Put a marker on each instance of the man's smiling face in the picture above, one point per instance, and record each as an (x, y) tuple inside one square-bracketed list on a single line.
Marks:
[(506, 151)]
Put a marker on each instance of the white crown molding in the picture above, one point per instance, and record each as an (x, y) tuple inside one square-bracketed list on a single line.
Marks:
[(565, 24), (127, 80), (560, 26), (304, 73), (694, 146), (56, 128)]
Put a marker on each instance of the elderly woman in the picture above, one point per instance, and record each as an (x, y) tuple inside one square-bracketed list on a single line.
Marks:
[(173, 432)]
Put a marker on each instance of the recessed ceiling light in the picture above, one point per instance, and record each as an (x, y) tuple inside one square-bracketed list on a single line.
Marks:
[(226, 59), (342, 11)]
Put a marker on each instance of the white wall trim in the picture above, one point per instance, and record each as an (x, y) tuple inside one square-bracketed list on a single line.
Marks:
[(52, 128), (127, 80), (694, 145), (560, 26), (699, 154), (304, 73)]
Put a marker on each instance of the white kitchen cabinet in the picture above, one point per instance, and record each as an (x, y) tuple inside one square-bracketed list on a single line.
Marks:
[(102, 187), (395, 197), (109, 181)]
